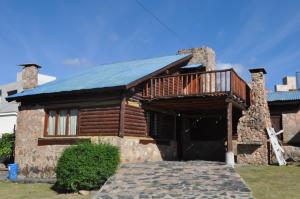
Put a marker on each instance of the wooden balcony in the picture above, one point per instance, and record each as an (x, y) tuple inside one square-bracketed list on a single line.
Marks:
[(214, 83)]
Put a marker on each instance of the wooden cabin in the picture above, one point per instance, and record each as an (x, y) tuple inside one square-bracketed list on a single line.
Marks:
[(168, 108)]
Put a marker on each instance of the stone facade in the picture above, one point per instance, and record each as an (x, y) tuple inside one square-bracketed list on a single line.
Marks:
[(291, 127), (30, 76), (252, 136), (204, 55), (34, 160), (40, 161), (133, 151)]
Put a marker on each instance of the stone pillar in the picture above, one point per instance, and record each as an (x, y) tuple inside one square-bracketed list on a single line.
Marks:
[(204, 55), (252, 136), (30, 75)]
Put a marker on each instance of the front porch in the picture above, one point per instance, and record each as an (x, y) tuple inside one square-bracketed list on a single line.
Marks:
[(202, 128), (198, 111)]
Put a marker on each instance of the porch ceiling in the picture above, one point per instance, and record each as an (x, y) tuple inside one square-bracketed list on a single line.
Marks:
[(188, 104)]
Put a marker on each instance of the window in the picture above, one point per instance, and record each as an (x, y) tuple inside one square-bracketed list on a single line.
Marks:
[(61, 122), (160, 125), (152, 124), (9, 93)]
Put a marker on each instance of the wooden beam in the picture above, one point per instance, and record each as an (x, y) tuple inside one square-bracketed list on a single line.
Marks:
[(229, 127), (241, 106), (122, 116), (159, 110)]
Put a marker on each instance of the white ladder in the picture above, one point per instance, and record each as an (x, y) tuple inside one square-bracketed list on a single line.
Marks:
[(276, 146)]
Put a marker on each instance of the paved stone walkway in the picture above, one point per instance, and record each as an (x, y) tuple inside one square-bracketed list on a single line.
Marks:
[(193, 179)]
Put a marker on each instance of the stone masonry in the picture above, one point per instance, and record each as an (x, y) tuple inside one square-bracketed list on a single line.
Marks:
[(30, 75), (34, 160), (40, 161), (291, 126), (175, 180), (204, 55), (133, 151), (252, 136)]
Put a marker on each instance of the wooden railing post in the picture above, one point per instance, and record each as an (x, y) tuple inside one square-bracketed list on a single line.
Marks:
[(151, 88)]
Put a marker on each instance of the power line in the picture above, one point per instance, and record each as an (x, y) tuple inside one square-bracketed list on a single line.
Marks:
[(162, 23)]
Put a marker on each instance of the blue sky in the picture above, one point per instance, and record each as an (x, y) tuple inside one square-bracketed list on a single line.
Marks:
[(68, 36)]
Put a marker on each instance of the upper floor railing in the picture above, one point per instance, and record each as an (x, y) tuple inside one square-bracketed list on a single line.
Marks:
[(194, 84)]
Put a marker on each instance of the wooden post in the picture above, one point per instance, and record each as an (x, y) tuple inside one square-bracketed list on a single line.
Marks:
[(229, 127), (122, 116), (175, 127)]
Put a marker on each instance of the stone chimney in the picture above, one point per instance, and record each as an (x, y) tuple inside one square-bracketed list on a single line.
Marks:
[(30, 75), (251, 130), (204, 55)]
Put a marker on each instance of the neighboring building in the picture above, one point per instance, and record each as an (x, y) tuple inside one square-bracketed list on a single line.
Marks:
[(289, 83), (285, 112), (8, 110)]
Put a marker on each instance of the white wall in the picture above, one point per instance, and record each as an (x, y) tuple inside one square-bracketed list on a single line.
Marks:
[(42, 79), (289, 83), (7, 122)]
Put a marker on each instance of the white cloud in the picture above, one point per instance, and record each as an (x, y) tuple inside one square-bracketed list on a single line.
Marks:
[(76, 62), (239, 68)]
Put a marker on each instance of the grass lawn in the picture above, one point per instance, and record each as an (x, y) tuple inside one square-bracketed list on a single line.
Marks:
[(33, 191), (272, 181)]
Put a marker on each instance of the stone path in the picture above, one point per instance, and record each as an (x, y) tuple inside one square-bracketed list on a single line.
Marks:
[(193, 179)]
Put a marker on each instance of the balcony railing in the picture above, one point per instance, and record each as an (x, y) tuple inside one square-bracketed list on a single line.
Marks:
[(195, 84)]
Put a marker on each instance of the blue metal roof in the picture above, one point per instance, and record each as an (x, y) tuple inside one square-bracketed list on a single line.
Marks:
[(108, 75), (284, 96), (192, 66)]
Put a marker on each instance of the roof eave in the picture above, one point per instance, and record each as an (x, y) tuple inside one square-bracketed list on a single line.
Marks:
[(20, 98), (284, 102)]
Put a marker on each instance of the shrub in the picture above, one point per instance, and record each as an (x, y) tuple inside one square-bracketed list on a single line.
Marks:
[(86, 166), (7, 144)]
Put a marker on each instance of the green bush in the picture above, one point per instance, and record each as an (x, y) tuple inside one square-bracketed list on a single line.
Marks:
[(7, 143), (86, 166)]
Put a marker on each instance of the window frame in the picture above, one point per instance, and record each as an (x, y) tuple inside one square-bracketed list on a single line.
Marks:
[(57, 110)]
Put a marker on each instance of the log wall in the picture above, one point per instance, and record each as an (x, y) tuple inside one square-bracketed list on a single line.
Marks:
[(99, 121), (135, 121)]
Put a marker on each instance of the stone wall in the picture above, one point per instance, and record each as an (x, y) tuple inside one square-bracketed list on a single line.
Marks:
[(133, 151), (204, 55), (252, 136), (33, 160), (291, 127), (40, 161)]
